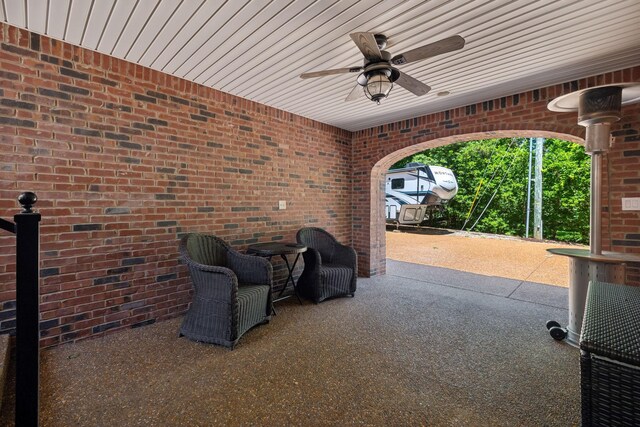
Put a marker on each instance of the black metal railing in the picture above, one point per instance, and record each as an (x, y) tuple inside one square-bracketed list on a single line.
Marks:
[(27, 230)]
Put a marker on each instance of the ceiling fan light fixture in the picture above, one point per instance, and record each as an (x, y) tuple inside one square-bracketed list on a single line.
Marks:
[(378, 85)]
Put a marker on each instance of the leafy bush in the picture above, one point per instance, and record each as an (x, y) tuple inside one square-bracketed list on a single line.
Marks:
[(500, 166), (571, 236)]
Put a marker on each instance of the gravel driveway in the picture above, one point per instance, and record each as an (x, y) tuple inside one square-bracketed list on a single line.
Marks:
[(487, 254)]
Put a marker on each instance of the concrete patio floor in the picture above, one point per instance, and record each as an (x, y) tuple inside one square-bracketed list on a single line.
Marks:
[(419, 346)]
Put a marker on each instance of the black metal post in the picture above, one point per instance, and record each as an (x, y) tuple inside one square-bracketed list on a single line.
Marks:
[(27, 312)]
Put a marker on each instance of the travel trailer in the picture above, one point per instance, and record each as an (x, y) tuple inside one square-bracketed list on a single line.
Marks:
[(416, 191)]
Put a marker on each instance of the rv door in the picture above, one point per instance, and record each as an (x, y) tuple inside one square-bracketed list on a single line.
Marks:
[(412, 214)]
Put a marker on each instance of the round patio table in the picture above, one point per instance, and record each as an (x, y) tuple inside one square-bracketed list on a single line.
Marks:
[(584, 267)]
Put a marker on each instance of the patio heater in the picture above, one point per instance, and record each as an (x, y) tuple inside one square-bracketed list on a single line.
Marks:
[(597, 107)]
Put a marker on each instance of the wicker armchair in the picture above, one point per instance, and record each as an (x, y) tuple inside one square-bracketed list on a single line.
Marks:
[(232, 291), (330, 268)]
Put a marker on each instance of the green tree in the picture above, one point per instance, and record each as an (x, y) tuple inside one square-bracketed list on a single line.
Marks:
[(565, 199), (492, 178)]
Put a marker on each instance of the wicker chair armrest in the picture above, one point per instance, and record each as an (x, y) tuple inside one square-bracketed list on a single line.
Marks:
[(222, 279), (312, 259), (251, 269), (209, 268)]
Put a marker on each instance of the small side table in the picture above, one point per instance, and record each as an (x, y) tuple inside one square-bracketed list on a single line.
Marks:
[(610, 356), (270, 249)]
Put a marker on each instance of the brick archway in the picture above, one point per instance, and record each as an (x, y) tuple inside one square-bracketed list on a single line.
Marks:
[(375, 149), (379, 170)]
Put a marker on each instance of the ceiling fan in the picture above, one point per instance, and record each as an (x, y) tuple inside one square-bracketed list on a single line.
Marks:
[(378, 73)]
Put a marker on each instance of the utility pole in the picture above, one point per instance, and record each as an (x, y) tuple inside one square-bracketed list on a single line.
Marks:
[(537, 197), (526, 234)]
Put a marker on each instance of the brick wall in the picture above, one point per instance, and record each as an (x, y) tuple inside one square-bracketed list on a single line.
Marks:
[(124, 160), (521, 115)]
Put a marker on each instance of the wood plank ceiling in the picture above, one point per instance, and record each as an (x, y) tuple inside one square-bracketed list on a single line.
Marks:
[(257, 49)]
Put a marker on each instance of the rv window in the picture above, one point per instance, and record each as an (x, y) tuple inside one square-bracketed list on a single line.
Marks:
[(397, 183)]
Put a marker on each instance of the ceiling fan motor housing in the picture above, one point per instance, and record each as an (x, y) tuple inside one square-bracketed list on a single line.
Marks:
[(380, 68), (374, 68)]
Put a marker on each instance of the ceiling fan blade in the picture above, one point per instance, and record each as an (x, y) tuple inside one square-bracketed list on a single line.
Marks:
[(330, 72), (412, 85), (427, 51), (355, 93), (367, 44)]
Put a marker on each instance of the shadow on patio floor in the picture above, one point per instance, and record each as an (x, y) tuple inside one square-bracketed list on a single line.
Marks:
[(419, 346)]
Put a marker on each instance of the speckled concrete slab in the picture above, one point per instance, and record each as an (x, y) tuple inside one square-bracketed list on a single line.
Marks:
[(5, 350), (542, 294), (459, 279), (538, 293), (402, 352)]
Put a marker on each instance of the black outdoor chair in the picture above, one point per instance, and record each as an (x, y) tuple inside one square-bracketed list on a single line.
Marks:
[(232, 291), (330, 268)]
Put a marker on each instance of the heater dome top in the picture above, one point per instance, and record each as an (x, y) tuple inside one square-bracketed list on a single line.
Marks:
[(570, 102)]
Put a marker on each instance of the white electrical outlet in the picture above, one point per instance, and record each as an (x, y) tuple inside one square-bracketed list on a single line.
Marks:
[(282, 204), (631, 203)]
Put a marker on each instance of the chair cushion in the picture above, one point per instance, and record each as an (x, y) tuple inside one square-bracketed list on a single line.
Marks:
[(335, 279), (252, 306)]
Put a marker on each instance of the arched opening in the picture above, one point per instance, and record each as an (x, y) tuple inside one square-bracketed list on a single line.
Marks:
[(379, 170)]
